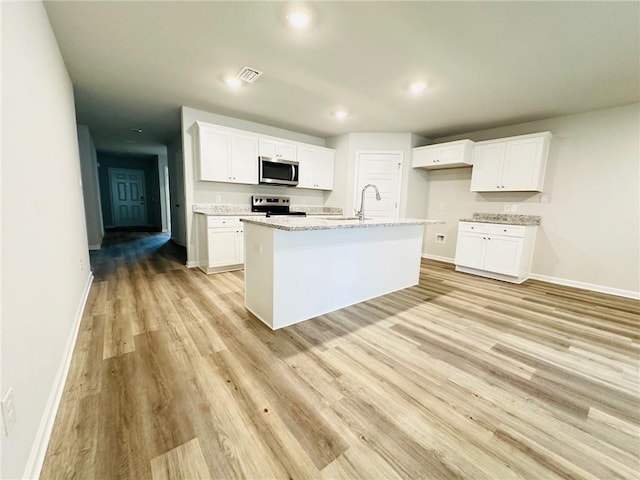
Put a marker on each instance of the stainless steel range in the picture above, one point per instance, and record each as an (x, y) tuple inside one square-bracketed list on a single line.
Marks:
[(273, 205)]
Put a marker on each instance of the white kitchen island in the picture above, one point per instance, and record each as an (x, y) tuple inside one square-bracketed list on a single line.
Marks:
[(298, 268)]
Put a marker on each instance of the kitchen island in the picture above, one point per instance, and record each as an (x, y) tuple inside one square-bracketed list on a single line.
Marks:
[(298, 268)]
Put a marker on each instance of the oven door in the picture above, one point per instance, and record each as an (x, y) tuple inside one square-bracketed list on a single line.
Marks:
[(276, 171)]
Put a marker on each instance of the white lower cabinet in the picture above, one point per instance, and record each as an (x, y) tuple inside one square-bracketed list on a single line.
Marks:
[(499, 251), (220, 243)]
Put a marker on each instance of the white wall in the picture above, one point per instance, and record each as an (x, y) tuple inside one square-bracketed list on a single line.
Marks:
[(45, 261), (197, 192), (590, 227), (90, 188)]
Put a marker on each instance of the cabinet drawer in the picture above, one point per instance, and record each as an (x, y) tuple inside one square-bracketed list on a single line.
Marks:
[(221, 222), (473, 227), (507, 230)]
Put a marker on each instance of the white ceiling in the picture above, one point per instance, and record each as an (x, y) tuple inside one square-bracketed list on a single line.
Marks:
[(133, 64)]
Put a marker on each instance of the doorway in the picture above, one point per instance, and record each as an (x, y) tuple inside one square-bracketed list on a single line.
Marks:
[(384, 170), (128, 197)]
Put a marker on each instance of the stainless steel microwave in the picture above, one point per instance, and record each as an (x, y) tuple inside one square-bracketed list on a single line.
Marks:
[(277, 171)]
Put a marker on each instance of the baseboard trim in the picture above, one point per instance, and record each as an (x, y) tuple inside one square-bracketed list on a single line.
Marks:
[(193, 264), (41, 442), (586, 286), (438, 258), (560, 281)]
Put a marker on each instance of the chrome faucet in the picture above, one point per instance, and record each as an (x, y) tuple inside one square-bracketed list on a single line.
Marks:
[(360, 214)]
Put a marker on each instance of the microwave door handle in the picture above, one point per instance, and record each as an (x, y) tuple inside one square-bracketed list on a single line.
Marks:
[(293, 172)]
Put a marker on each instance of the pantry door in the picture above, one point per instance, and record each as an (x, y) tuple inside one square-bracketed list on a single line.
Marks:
[(127, 197), (384, 170)]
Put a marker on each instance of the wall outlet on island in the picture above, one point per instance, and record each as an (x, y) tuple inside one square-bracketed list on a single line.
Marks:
[(507, 208), (218, 198)]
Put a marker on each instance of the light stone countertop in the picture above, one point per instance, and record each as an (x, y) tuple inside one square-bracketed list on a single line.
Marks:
[(504, 218), (292, 223), (215, 209)]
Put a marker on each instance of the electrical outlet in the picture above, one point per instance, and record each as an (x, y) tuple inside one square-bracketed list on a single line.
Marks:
[(81, 265), (8, 412), (440, 238), (218, 199), (514, 208), (507, 208)]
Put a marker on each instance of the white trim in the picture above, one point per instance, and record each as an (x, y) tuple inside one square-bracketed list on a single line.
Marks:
[(438, 258), (193, 264), (95, 247), (41, 442), (560, 281), (587, 286)]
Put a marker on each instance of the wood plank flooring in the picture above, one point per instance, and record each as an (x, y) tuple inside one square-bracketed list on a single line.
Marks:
[(458, 377)]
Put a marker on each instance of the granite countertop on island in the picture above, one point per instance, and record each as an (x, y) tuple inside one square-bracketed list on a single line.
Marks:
[(293, 223), (504, 218)]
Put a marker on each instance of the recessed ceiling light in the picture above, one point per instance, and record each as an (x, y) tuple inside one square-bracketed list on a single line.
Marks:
[(299, 19), (234, 82), (417, 87), (341, 114)]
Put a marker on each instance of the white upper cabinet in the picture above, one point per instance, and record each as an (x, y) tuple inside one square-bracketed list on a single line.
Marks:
[(510, 164), (231, 156), (443, 155), (316, 167), (274, 148), (226, 155)]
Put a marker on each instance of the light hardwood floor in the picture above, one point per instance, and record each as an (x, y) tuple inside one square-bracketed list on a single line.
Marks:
[(458, 377)]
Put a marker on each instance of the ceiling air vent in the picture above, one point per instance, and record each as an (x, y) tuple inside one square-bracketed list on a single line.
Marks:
[(249, 75)]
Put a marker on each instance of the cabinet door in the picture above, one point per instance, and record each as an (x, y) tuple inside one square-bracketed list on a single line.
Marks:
[(268, 148), (307, 160), (486, 175), (244, 159), (240, 245), (287, 151), (470, 249), (222, 245), (522, 164), (502, 254), (324, 169), (453, 154), (424, 157), (214, 155), (276, 149)]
